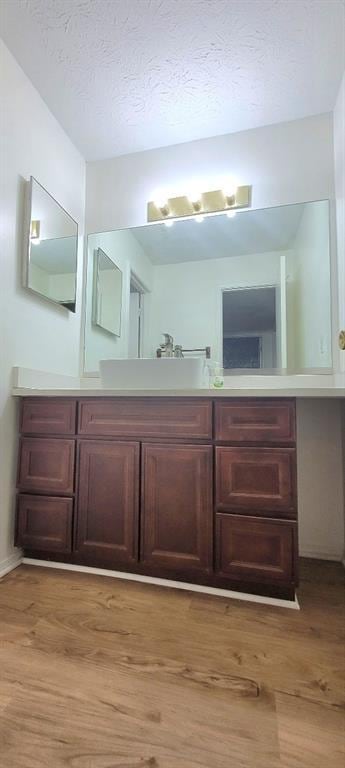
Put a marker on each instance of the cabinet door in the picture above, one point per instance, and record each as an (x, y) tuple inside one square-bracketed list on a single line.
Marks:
[(44, 523), (255, 549), (108, 500), (256, 480), (176, 521), (46, 465)]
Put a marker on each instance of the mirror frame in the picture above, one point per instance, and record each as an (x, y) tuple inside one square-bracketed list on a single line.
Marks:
[(95, 291), (27, 245)]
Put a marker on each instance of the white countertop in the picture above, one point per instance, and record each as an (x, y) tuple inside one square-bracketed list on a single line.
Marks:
[(253, 391), (30, 383)]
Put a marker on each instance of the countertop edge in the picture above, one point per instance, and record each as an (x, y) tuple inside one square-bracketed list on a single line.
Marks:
[(307, 391)]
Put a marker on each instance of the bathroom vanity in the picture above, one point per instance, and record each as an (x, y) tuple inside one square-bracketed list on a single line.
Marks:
[(195, 489)]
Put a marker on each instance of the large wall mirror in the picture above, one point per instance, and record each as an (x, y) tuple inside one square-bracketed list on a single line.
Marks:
[(51, 244), (254, 286)]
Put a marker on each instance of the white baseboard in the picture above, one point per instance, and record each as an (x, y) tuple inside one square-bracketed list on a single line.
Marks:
[(315, 554), (167, 583), (10, 563)]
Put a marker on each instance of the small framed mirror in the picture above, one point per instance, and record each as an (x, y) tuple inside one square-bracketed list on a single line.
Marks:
[(107, 294), (51, 247)]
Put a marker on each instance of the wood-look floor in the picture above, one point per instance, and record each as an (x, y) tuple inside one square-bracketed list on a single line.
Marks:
[(99, 673)]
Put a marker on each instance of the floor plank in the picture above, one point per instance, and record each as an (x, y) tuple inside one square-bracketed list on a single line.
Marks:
[(101, 673)]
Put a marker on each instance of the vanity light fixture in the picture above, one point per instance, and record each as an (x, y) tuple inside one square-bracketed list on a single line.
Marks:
[(227, 199), (35, 231)]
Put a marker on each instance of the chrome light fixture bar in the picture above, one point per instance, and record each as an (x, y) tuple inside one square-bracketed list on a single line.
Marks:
[(215, 201)]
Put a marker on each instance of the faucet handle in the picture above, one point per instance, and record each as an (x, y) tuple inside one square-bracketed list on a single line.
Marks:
[(168, 339)]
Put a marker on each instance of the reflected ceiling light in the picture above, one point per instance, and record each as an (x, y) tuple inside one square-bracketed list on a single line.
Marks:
[(199, 219), (231, 214), (168, 223), (35, 231)]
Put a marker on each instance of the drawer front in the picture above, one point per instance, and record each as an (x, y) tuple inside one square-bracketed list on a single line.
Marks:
[(46, 465), (255, 421), (255, 549), (50, 416), (146, 418), (44, 523), (260, 479)]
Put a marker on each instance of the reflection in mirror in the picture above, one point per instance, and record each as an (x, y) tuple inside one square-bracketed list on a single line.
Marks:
[(107, 293), (254, 287), (50, 267), (250, 338)]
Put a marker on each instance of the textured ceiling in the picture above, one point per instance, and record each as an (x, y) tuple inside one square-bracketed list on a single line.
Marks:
[(127, 75)]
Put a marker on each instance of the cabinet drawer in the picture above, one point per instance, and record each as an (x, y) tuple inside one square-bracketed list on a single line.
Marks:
[(51, 416), (146, 418), (44, 523), (255, 549), (261, 479), (255, 421), (46, 465)]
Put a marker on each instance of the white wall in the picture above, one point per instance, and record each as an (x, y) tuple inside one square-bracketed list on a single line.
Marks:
[(124, 250), (34, 333), (319, 479), (339, 168), (286, 163), (339, 173), (186, 297)]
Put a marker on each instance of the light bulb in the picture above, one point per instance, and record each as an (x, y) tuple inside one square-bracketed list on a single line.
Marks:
[(194, 196), (229, 189), (161, 200)]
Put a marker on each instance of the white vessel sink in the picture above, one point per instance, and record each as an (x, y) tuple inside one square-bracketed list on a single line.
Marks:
[(155, 373)]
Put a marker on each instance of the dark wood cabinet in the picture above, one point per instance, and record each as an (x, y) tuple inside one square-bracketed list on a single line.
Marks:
[(146, 418), (255, 421), (48, 416), (255, 549), (46, 465), (191, 489), (44, 523), (108, 501), (176, 519), (260, 479)]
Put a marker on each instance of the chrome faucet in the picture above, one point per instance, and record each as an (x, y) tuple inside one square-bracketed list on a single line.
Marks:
[(167, 348)]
